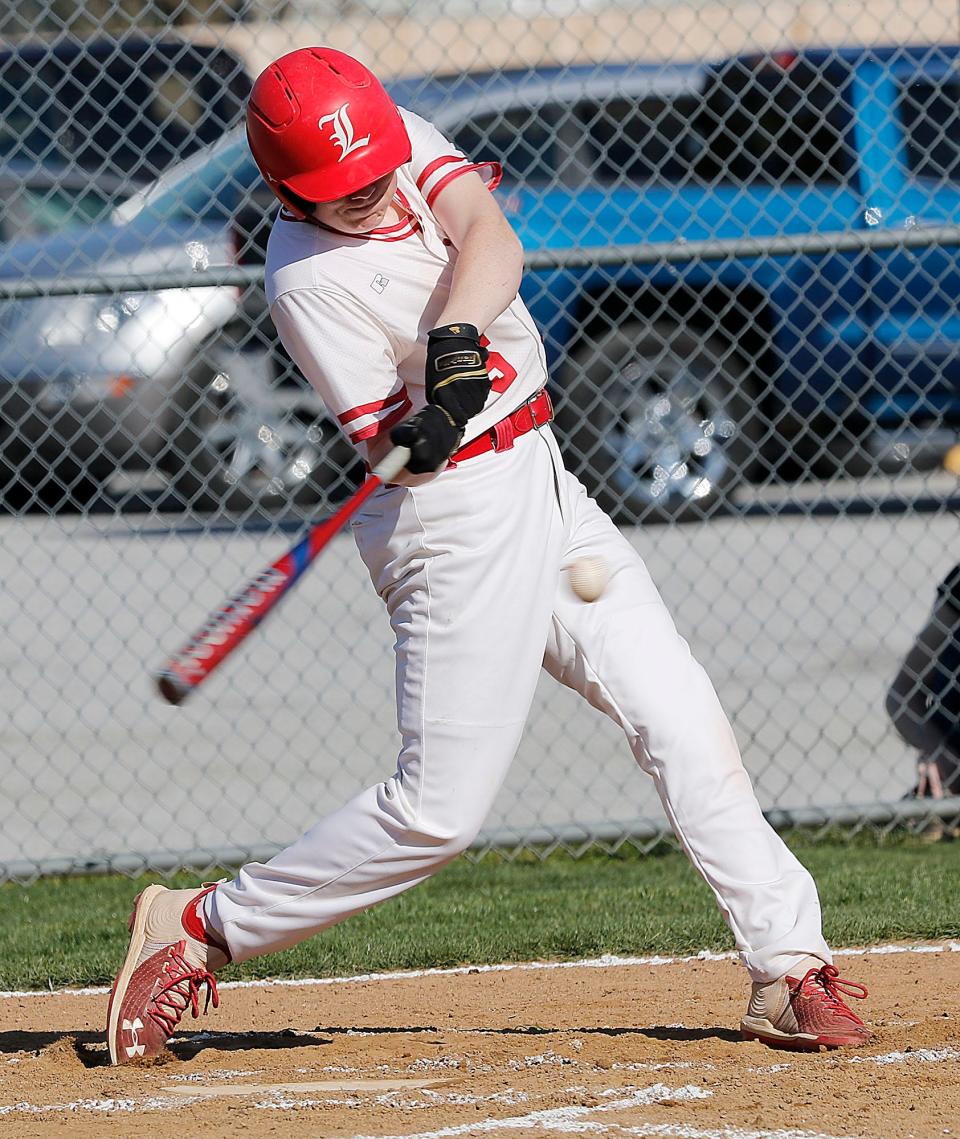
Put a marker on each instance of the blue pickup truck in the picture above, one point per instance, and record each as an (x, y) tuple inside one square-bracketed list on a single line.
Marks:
[(675, 379), (678, 379)]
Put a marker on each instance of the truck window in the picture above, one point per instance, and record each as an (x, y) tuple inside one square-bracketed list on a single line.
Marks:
[(773, 124), (638, 140), (522, 139), (930, 113)]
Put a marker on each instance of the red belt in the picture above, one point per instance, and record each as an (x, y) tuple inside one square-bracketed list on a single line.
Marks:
[(537, 411)]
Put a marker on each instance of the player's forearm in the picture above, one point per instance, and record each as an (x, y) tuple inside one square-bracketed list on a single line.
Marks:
[(486, 277)]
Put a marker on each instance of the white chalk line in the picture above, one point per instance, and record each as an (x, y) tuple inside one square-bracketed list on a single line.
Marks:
[(573, 1118), (289, 1096), (399, 1101), (563, 1126), (385, 1089), (607, 961), (685, 1131), (280, 1098), (909, 1056), (912, 1056), (581, 1119), (221, 1074), (98, 1106)]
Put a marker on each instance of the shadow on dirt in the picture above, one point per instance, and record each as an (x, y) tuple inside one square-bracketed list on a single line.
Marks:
[(655, 1032), (91, 1049), (187, 1046)]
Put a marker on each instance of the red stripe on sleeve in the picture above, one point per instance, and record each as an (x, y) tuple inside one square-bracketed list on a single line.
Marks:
[(432, 167), (371, 408), (496, 173), (381, 425)]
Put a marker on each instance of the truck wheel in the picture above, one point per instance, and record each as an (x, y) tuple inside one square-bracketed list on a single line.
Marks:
[(656, 421), (239, 443)]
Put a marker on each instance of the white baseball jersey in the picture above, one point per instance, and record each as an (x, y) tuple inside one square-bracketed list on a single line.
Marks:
[(354, 311)]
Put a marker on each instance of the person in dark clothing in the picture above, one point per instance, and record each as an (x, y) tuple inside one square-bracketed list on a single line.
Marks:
[(923, 702)]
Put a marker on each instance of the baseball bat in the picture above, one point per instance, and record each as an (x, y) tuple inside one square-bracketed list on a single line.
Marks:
[(241, 613)]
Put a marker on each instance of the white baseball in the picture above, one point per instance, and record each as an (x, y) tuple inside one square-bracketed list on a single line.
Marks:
[(588, 577)]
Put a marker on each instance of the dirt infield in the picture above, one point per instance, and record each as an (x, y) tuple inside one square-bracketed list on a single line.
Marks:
[(604, 1048)]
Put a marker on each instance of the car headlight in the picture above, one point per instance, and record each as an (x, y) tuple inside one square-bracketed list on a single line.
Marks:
[(117, 312), (74, 319)]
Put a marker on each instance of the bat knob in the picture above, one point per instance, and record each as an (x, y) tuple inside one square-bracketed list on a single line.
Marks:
[(173, 688)]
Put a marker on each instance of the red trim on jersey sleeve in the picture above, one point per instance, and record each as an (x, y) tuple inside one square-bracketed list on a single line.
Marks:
[(491, 182), (372, 408), (375, 430), (494, 175), (434, 166)]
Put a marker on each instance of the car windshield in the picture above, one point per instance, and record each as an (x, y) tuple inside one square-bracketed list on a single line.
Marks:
[(30, 210), (208, 186)]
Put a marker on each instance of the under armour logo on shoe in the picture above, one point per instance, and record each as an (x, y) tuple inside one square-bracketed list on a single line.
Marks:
[(133, 1027), (342, 132)]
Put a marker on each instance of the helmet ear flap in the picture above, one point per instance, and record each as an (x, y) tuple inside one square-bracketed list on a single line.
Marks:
[(294, 203)]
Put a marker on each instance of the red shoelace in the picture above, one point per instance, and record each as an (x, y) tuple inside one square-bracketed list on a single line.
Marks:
[(181, 992), (828, 979)]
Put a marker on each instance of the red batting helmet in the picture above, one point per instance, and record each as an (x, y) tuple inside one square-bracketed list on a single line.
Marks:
[(321, 126)]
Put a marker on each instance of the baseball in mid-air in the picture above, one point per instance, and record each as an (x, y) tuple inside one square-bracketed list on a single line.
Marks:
[(588, 577)]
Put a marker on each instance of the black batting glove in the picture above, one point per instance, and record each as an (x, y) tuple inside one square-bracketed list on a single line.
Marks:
[(431, 436), (456, 372)]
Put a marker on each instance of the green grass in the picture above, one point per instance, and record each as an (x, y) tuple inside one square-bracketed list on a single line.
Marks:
[(72, 931)]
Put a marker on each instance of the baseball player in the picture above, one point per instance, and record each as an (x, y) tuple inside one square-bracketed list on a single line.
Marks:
[(392, 277)]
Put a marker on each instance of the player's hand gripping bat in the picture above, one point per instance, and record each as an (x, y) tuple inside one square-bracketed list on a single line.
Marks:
[(242, 613)]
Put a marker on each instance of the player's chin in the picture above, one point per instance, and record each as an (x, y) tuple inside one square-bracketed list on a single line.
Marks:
[(364, 221)]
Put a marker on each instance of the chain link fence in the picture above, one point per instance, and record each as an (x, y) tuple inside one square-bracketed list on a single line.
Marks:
[(742, 226)]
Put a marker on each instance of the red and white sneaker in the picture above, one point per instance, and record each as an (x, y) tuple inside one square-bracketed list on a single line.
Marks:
[(806, 1011), (171, 956)]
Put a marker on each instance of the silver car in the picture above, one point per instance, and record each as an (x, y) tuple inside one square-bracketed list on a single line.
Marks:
[(188, 383)]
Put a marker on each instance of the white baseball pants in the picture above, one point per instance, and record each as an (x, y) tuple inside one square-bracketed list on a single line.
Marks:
[(470, 568)]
